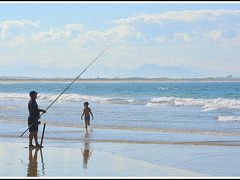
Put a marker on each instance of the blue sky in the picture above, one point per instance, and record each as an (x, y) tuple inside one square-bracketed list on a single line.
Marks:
[(192, 35), (95, 15)]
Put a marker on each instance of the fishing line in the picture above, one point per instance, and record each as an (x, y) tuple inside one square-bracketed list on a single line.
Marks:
[(66, 89)]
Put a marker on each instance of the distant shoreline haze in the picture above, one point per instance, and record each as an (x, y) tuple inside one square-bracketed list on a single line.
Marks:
[(146, 70), (133, 79)]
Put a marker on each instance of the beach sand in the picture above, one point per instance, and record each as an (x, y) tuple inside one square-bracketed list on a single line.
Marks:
[(78, 161), (86, 156), (110, 153)]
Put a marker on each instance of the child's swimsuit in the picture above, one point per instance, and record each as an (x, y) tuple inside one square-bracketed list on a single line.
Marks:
[(87, 117)]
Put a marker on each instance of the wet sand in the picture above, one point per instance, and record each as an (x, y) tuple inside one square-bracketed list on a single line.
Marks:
[(79, 161), (119, 153), (97, 154)]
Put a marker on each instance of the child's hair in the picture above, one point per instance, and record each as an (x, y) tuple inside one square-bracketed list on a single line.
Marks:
[(86, 103)]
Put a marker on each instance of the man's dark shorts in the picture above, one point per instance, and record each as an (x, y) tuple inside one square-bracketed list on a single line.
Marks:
[(34, 127)]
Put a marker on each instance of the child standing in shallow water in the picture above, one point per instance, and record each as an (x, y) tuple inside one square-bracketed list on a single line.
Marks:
[(86, 113)]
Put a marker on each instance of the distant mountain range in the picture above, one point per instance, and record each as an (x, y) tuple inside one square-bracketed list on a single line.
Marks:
[(103, 71)]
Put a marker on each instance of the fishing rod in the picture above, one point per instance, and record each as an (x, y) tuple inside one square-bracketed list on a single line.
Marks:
[(65, 89)]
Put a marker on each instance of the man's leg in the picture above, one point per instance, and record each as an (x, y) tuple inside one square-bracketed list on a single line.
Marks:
[(30, 139), (36, 137)]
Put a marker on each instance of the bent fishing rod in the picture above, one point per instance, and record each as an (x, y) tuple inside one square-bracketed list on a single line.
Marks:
[(65, 90)]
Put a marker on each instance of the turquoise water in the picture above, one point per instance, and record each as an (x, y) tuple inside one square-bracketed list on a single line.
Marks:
[(209, 107), (136, 90)]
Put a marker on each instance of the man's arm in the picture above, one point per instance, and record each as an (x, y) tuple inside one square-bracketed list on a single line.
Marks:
[(42, 110)]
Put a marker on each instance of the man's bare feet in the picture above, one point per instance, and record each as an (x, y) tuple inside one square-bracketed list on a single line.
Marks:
[(31, 146), (39, 146)]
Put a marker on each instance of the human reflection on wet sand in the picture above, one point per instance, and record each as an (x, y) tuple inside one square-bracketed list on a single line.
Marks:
[(86, 152), (32, 170)]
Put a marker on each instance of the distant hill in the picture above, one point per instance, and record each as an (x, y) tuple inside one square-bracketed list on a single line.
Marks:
[(156, 71), (102, 71)]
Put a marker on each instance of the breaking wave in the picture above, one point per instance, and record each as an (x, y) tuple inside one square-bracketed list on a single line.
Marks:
[(207, 104), (67, 98), (228, 118)]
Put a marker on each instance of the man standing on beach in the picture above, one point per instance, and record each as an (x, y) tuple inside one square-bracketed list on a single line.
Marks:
[(34, 115)]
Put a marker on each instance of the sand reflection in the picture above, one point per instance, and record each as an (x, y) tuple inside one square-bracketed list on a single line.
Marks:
[(86, 150), (32, 170)]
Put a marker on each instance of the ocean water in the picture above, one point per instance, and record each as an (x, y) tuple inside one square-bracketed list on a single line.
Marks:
[(176, 111)]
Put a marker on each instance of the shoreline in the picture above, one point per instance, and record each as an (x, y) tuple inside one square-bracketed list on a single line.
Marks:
[(116, 80)]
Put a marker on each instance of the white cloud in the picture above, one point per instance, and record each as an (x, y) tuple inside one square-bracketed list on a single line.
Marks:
[(120, 33), (160, 39), (17, 41), (127, 30), (182, 36), (195, 26), (10, 27), (186, 15), (43, 37), (71, 29), (229, 36), (72, 44), (54, 34), (114, 35), (215, 35), (91, 37)]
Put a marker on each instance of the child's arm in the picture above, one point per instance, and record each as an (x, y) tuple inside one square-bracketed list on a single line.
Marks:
[(91, 113), (82, 115)]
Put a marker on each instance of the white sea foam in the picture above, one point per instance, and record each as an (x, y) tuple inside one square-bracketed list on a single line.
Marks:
[(207, 104), (208, 109), (163, 88), (228, 118), (66, 98), (167, 88), (13, 96)]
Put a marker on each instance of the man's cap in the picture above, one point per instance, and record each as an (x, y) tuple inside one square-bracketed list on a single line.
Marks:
[(32, 92)]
